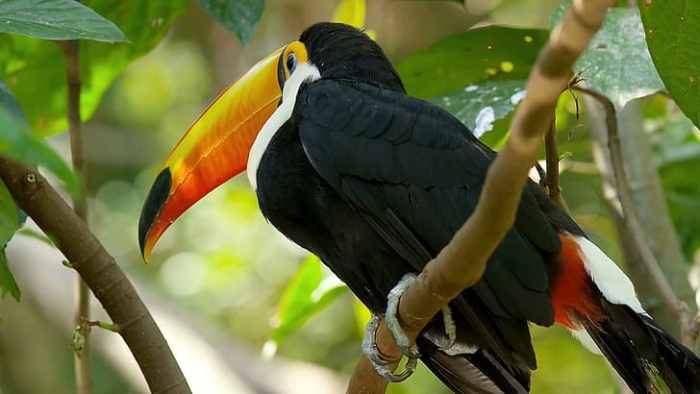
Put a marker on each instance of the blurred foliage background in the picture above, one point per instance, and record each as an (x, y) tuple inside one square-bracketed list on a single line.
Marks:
[(223, 265)]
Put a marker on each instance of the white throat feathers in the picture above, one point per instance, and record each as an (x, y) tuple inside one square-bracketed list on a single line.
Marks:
[(303, 73)]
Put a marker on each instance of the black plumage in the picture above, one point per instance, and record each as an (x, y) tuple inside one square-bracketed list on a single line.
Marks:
[(376, 183)]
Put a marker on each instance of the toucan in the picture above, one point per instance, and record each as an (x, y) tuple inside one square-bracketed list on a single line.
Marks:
[(374, 182)]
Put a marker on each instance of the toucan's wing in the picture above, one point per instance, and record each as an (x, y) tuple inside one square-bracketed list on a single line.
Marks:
[(416, 173)]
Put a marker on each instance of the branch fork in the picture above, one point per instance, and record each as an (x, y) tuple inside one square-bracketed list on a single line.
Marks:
[(35, 196)]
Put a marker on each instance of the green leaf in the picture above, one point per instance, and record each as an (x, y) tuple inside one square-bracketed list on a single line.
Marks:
[(617, 62), (17, 142), (238, 16), (677, 152), (307, 294), (479, 105), (56, 20), (362, 315), (35, 69), (9, 216), (672, 29), (486, 54), (9, 223), (7, 280)]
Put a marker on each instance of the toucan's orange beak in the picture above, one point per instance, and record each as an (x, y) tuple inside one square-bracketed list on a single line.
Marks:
[(214, 149)]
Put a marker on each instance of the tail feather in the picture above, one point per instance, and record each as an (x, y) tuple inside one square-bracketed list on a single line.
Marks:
[(679, 362), (642, 353)]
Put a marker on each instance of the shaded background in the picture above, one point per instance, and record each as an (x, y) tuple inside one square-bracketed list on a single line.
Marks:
[(216, 278)]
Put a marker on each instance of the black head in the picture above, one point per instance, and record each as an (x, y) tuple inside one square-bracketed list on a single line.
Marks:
[(341, 51)]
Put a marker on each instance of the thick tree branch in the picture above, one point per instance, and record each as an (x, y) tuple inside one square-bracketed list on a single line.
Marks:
[(81, 357), (462, 262), (101, 273)]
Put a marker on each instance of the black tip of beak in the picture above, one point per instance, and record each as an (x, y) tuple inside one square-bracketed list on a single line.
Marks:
[(154, 202)]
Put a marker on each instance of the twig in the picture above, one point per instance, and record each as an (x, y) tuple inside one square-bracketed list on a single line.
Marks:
[(82, 330), (462, 262), (81, 359), (101, 273), (644, 284), (552, 174), (631, 218)]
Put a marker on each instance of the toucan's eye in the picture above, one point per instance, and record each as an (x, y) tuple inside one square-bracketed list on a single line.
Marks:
[(291, 62)]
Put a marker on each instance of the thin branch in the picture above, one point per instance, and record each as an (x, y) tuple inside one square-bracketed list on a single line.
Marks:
[(552, 160), (100, 271), (462, 262), (81, 357), (631, 218), (552, 156), (72, 56), (636, 269)]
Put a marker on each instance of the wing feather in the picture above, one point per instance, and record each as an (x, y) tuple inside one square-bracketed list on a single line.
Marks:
[(415, 173)]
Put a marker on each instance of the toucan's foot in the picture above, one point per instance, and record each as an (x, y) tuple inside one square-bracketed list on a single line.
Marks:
[(410, 351), (383, 366), (450, 328), (397, 332), (392, 319)]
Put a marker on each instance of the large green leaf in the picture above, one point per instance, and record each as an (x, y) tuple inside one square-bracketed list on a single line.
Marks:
[(617, 62), (238, 16), (56, 20), (17, 142), (307, 294), (479, 105), (673, 34), (35, 69), (479, 55)]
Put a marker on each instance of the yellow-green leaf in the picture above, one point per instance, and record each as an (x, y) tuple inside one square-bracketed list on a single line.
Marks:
[(350, 12), (7, 280), (306, 294)]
